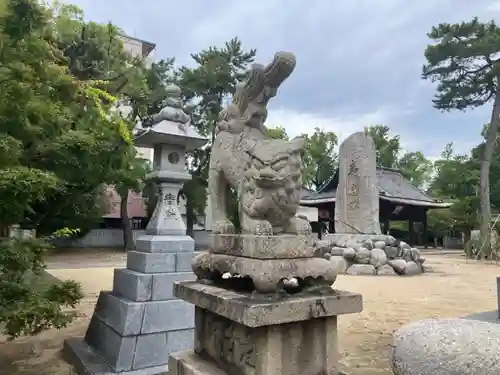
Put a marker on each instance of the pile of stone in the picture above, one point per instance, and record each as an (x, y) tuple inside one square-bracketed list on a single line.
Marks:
[(359, 254)]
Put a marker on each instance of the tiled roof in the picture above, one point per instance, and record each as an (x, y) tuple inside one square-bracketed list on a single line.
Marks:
[(392, 187)]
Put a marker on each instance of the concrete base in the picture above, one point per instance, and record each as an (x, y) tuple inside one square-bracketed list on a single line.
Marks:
[(236, 334), (87, 362), (137, 325)]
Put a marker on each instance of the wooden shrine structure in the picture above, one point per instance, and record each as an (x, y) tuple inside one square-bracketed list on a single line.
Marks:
[(399, 201)]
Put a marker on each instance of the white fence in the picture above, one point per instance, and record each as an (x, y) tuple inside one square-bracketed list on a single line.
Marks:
[(113, 238)]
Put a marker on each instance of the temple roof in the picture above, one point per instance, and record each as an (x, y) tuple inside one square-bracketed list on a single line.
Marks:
[(392, 187)]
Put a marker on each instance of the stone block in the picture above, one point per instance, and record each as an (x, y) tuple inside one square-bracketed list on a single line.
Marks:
[(122, 315), (264, 247), (180, 340), (183, 262), (151, 350), (133, 285), (164, 244), (86, 361), (163, 284), (116, 350), (151, 262), (170, 315), (304, 347), (242, 308)]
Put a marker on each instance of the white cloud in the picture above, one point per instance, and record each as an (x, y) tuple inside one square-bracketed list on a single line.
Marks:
[(297, 123)]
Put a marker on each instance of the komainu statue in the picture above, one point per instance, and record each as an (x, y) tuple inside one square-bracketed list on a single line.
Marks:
[(275, 251), (267, 173)]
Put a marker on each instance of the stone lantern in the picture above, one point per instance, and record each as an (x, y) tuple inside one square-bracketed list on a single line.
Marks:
[(137, 325)]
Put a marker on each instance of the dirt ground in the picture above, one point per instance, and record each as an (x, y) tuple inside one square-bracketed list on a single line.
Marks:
[(455, 287)]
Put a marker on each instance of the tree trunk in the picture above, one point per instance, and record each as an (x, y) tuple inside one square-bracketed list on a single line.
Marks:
[(189, 219), (128, 239), (484, 183)]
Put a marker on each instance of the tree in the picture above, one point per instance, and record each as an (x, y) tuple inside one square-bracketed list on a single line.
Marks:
[(56, 141), (415, 167), (320, 158), (387, 148), (278, 132), (456, 179), (463, 60), (95, 52), (206, 87)]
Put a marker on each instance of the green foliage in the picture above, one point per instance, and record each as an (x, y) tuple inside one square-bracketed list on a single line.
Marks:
[(27, 304), (456, 180), (387, 148), (464, 63), (320, 155), (205, 87), (278, 132), (414, 166), (320, 158), (58, 147)]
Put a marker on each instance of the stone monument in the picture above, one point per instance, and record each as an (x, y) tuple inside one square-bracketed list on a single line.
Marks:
[(139, 323), (357, 202), (358, 245), (264, 302)]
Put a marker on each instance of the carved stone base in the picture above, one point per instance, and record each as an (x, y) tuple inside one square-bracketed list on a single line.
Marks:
[(283, 246), (267, 274), (235, 335)]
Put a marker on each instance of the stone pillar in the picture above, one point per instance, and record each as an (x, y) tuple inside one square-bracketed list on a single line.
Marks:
[(235, 334), (357, 197), (138, 324)]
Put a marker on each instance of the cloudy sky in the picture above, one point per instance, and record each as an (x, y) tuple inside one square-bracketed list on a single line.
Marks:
[(358, 61)]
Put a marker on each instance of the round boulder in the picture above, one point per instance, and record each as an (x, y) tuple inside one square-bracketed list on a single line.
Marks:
[(349, 253), (391, 241), (337, 251), (362, 255), (412, 268), (391, 252), (368, 244), (378, 257), (386, 270), (415, 254), (340, 263), (404, 245), (379, 244), (447, 347), (362, 269), (399, 265)]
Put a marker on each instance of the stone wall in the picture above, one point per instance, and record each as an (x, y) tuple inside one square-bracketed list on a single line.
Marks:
[(358, 254), (113, 238)]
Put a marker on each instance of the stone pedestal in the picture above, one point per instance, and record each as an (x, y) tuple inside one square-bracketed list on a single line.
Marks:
[(140, 323), (236, 334), (266, 260)]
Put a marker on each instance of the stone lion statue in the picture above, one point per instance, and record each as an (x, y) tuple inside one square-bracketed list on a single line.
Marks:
[(267, 173)]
